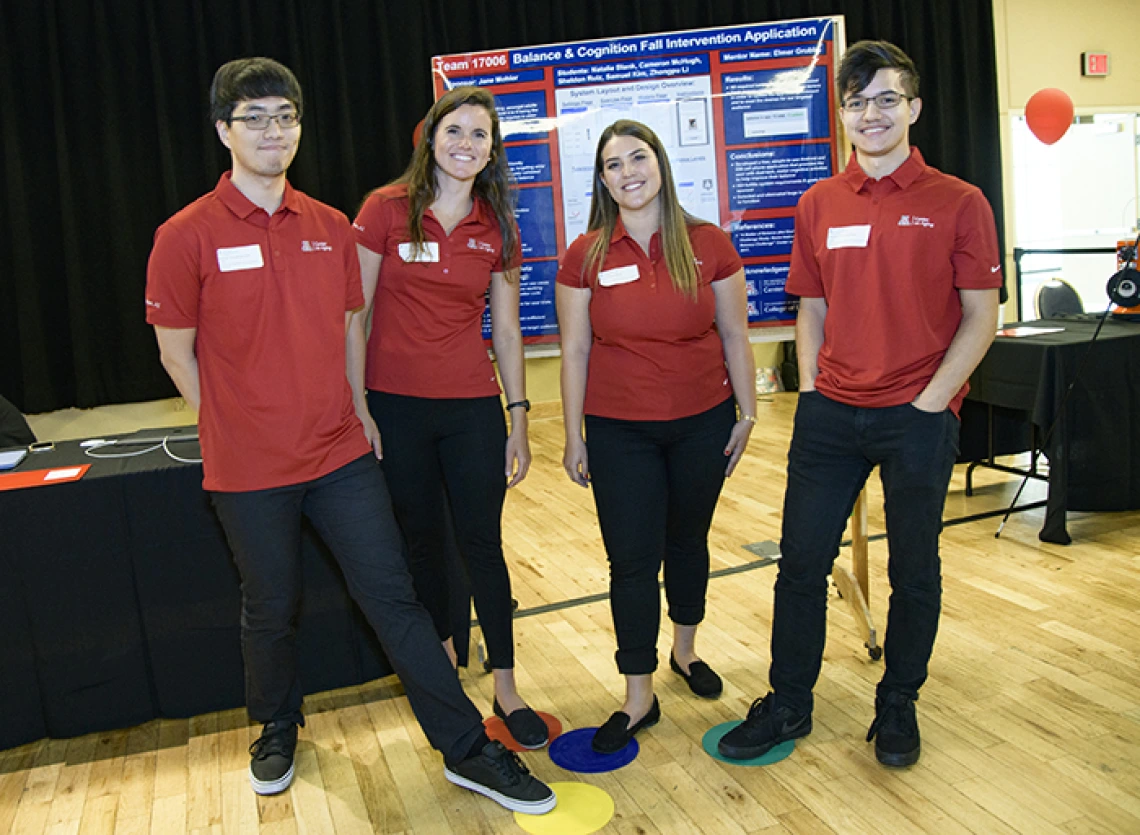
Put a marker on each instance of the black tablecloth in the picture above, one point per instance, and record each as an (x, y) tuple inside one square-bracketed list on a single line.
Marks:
[(1094, 451), (119, 602)]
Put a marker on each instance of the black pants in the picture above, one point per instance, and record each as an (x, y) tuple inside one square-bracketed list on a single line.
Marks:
[(656, 484), (441, 454), (834, 448), (351, 511)]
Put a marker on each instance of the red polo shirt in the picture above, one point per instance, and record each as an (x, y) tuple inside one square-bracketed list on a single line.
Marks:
[(427, 317), (268, 295), (890, 256), (656, 353)]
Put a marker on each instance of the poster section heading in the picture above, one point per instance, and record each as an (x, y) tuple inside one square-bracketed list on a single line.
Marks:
[(707, 40), (745, 114)]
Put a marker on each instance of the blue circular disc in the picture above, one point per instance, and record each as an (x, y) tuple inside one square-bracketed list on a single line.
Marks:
[(573, 752), (714, 734)]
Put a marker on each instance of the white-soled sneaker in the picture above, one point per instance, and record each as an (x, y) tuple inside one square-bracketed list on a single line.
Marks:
[(271, 758), (500, 775)]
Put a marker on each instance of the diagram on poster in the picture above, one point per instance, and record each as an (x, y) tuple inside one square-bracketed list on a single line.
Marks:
[(583, 113), (746, 115)]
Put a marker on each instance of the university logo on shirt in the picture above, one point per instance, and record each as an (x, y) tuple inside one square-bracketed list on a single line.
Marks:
[(316, 246), (482, 246), (915, 220)]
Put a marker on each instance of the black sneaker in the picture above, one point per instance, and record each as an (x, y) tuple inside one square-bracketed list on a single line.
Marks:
[(271, 758), (765, 728), (500, 775), (895, 730)]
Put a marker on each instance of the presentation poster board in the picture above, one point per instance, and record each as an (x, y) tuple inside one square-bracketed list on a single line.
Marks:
[(746, 114)]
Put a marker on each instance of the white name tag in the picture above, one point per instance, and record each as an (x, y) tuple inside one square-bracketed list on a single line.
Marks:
[(845, 237), (618, 275), (232, 258), (54, 475), (427, 253)]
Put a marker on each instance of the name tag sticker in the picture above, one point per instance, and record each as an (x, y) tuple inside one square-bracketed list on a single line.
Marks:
[(55, 475), (847, 237), (428, 253), (232, 258), (618, 275)]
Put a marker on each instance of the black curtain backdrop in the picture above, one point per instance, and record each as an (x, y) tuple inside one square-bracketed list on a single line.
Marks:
[(104, 133)]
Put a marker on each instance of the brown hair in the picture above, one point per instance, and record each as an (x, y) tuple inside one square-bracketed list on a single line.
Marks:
[(675, 220), (493, 183), (863, 59)]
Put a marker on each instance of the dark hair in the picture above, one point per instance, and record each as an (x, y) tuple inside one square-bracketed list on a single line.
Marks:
[(493, 183), (863, 59), (251, 78), (674, 219)]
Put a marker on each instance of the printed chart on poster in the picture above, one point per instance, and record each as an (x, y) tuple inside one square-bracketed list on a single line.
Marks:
[(745, 113)]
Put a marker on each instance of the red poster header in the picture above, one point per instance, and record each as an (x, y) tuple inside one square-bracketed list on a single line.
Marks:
[(473, 63)]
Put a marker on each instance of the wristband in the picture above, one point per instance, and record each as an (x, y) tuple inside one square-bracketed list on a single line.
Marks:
[(524, 403), (750, 418)]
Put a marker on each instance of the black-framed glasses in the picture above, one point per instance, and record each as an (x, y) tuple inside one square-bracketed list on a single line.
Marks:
[(887, 100), (260, 121)]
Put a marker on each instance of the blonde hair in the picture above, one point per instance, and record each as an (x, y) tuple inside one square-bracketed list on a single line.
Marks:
[(675, 221)]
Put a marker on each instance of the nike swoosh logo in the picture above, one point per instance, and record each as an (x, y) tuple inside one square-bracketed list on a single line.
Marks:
[(995, 269)]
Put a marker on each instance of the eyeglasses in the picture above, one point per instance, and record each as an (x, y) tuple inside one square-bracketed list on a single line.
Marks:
[(260, 121), (888, 100)]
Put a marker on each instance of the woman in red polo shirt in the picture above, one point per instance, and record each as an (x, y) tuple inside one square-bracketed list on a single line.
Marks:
[(431, 245), (653, 315)]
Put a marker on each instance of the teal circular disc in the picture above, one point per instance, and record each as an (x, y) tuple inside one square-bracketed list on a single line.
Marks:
[(713, 735)]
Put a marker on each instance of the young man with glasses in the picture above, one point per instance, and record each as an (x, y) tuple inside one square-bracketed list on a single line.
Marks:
[(897, 269), (251, 289)]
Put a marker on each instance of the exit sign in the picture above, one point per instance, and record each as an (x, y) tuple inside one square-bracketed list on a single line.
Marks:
[(1094, 63)]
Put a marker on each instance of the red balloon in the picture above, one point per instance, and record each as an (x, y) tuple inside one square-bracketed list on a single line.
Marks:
[(1049, 113)]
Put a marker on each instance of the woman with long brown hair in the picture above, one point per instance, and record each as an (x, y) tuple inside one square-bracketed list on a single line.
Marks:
[(653, 316), (432, 245)]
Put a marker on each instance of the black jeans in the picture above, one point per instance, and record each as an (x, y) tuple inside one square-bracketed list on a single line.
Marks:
[(656, 484), (834, 448), (351, 511), (451, 454)]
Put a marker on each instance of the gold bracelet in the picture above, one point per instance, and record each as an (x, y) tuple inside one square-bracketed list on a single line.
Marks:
[(750, 418)]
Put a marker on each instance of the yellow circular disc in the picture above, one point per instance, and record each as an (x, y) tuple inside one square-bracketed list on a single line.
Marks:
[(581, 809)]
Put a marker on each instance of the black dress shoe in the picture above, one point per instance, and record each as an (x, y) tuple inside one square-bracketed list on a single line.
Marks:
[(525, 726), (700, 678), (617, 732)]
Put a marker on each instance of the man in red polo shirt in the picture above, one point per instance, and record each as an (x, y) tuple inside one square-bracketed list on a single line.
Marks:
[(251, 289), (897, 269)]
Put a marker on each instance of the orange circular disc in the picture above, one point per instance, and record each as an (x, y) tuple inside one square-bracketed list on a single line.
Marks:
[(497, 730)]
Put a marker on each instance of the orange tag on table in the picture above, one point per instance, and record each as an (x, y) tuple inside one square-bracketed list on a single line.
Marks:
[(40, 478)]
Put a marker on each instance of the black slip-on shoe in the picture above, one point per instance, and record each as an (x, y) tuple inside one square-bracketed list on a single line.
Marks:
[(765, 727), (525, 726), (617, 732), (499, 774), (701, 678)]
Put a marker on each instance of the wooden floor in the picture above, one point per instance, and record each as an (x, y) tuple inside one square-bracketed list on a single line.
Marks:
[(1030, 720)]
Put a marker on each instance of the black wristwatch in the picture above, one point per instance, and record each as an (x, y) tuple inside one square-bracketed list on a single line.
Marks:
[(524, 403)]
